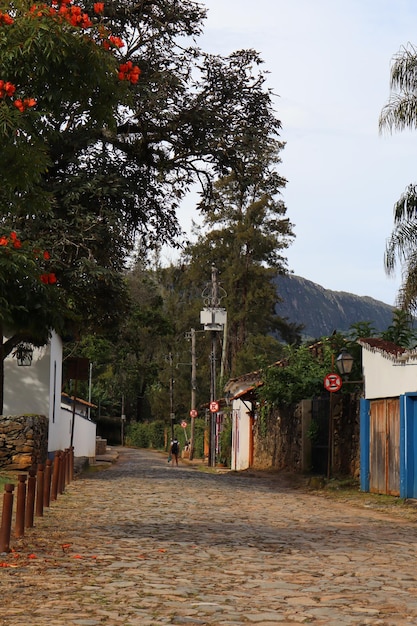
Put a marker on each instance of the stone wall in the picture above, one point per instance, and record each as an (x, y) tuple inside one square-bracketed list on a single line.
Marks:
[(278, 439), (283, 437), (23, 441)]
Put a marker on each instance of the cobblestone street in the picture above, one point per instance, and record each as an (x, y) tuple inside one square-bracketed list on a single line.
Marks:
[(143, 543)]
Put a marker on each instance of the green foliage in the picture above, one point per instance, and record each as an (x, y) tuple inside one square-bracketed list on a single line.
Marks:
[(245, 233), (300, 377), (157, 432), (138, 435), (199, 429), (262, 422), (360, 330), (313, 431), (398, 114), (401, 331), (156, 435), (226, 443), (258, 352)]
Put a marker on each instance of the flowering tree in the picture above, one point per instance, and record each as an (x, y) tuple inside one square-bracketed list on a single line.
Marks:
[(63, 83), (109, 112)]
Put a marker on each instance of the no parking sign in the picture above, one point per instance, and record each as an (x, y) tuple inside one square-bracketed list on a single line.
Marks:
[(332, 382)]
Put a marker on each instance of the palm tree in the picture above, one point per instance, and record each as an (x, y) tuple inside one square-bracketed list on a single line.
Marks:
[(400, 113)]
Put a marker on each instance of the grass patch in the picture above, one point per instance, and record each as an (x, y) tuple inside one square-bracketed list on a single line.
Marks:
[(5, 479)]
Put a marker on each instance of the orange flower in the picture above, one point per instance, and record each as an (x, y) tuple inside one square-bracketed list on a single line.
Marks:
[(46, 255), (130, 72), (115, 41), (5, 18), (22, 105), (9, 88), (48, 279), (134, 75), (6, 89), (29, 102), (4, 241), (19, 105), (98, 7)]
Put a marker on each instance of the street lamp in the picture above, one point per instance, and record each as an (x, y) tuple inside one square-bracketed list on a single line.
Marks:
[(344, 362)]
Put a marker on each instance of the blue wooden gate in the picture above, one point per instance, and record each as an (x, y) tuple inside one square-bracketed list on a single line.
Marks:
[(408, 446), (406, 451)]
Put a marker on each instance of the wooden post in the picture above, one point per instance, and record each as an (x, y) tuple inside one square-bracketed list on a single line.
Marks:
[(20, 506), (30, 501), (47, 483), (39, 490), (55, 477), (6, 518)]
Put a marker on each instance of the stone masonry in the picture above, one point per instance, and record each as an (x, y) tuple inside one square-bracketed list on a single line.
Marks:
[(23, 441)]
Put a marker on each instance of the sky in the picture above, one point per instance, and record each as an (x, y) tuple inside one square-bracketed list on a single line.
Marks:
[(328, 62)]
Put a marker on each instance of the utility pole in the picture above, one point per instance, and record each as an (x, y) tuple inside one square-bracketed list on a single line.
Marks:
[(214, 319), (171, 395), (193, 392), (123, 420)]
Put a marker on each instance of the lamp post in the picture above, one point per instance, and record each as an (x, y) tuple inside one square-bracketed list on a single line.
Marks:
[(344, 362), (333, 383)]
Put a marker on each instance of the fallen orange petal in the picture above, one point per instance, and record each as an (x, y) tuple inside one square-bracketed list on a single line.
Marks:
[(32, 556), (77, 556)]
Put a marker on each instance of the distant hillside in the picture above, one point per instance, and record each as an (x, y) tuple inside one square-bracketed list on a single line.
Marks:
[(322, 311)]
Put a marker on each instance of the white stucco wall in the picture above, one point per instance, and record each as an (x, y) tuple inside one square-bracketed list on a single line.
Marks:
[(241, 426), (85, 431), (37, 388), (387, 377)]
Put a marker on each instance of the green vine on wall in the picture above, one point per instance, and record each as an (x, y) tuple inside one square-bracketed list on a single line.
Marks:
[(263, 415)]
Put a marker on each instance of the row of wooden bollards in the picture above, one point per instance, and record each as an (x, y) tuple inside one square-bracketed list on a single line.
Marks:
[(44, 483)]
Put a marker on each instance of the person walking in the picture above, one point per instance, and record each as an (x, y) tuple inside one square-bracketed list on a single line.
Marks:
[(175, 449)]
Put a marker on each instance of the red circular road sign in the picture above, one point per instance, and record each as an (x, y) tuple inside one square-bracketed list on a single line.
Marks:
[(332, 382), (214, 406), (193, 413), (184, 424)]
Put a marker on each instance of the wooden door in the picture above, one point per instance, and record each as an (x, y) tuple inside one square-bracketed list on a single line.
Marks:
[(384, 466)]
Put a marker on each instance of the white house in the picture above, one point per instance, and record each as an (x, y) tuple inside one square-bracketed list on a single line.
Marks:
[(238, 390), (36, 389), (75, 411)]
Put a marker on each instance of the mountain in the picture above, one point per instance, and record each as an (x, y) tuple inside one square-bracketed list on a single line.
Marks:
[(322, 311)]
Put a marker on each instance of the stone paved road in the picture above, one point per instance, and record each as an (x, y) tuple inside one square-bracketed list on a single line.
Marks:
[(143, 544)]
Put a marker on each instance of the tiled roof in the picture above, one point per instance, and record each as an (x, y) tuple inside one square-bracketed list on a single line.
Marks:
[(247, 391), (388, 348), (66, 398)]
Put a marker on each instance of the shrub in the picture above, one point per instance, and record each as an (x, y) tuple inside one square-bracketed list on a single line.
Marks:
[(156, 435), (137, 435), (226, 443)]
